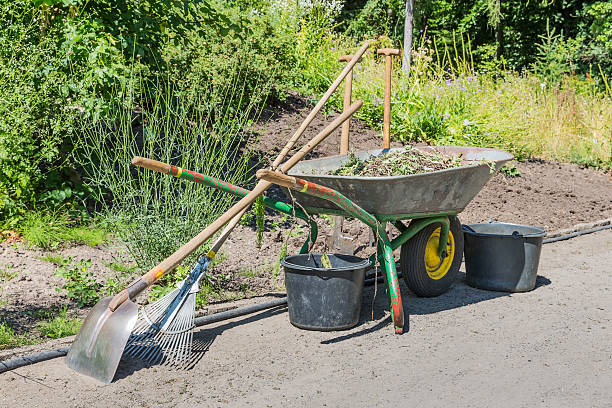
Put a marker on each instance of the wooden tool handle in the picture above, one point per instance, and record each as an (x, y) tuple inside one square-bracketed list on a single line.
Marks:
[(348, 90), (307, 148), (151, 164), (346, 58), (230, 215), (281, 179), (388, 51), (319, 105)]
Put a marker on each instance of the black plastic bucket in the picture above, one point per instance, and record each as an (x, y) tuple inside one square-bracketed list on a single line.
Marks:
[(502, 257), (324, 299)]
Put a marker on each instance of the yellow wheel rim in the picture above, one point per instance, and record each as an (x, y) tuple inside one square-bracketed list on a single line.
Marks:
[(436, 267)]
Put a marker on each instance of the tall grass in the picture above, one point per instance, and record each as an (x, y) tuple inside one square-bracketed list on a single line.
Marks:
[(155, 213), (446, 100)]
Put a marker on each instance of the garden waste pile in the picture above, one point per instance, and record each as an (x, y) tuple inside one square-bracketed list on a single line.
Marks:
[(397, 163)]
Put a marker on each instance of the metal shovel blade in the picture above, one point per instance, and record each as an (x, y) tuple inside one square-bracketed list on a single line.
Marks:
[(98, 346), (340, 243)]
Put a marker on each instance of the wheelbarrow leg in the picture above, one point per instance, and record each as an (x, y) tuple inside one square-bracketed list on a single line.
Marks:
[(387, 263)]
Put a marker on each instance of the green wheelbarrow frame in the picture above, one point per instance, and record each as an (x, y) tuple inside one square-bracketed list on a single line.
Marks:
[(347, 208)]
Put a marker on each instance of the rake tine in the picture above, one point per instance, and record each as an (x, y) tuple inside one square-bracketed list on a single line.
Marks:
[(183, 345)]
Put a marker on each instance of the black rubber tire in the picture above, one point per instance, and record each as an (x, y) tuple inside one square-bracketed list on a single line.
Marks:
[(412, 261)]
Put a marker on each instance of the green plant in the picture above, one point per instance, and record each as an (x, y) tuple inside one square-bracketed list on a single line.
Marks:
[(152, 213), (80, 284), (510, 171), (248, 272), (60, 326), (260, 219), (281, 257), (7, 273), (8, 338), (56, 259), (49, 230)]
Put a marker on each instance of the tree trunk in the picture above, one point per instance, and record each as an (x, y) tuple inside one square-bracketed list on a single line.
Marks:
[(407, 57), (499, 38)]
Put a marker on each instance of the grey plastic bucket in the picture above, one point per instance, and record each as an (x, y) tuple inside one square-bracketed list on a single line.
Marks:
[(502, 257), (324, 299)]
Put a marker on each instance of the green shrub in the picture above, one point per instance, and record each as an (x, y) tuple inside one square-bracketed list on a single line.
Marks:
[(154, 214)]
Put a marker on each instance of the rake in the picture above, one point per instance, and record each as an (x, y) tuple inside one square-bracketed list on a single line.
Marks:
[(163, 331)]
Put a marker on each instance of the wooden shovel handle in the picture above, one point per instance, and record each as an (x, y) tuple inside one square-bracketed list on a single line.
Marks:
[(348, 68), (230, 215)]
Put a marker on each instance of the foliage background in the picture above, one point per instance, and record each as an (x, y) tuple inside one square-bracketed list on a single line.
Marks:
[(522, 75)]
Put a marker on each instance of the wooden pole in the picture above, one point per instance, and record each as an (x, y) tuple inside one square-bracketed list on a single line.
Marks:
[(388, 53), (348, 89)]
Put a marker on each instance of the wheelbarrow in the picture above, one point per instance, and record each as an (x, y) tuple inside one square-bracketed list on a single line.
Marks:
[(431, 243)]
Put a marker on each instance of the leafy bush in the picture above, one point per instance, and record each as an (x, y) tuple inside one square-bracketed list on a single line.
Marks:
[(63, 63), (446, 102)]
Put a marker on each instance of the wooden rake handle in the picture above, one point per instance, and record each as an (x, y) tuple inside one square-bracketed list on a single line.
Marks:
[(233, 215)]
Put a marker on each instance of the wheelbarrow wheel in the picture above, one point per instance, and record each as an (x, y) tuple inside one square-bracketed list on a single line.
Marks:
[(424, 272)]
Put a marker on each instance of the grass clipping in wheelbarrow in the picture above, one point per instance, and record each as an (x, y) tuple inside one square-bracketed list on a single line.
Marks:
[(399, 163)]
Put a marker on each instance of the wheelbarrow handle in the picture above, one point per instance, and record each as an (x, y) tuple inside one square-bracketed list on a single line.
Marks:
[(233, 214), (152, 164)]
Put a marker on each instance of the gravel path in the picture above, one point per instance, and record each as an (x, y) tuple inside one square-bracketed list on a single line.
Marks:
[(467, 348)]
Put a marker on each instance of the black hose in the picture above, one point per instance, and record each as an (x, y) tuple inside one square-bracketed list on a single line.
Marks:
[(241, 311), (229, 314), (577, 234), (32, 359)]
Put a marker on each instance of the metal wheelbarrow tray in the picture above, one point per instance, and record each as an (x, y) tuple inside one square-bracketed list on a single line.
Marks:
[(438, 192)]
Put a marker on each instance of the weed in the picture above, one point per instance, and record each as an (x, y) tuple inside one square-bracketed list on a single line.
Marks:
[(60, 326), (56, 259), (218, 259), (8, 338), (400, 163), (7, 273), (278, 223), (248, 272), (246, 219), (48, 231), (80, 284), (328, 219), (121, 267), (510, 171), (281, 258), (260, 219)]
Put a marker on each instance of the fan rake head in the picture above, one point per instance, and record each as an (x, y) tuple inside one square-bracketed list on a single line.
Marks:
[(163, 333)]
